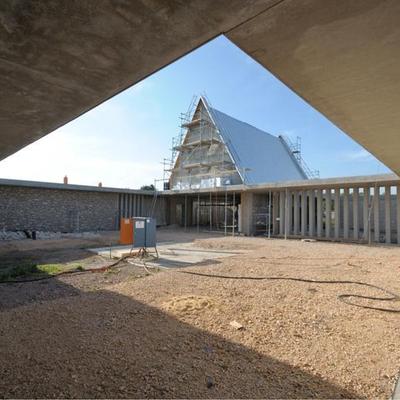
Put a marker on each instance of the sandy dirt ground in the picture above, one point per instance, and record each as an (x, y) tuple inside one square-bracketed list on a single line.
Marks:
[(169, 334)]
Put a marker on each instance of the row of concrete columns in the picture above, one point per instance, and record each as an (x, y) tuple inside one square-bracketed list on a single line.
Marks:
[(132, 205), (325, 213)]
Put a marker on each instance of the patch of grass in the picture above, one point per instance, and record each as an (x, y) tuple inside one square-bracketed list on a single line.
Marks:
[(29, 270), (49, 269)]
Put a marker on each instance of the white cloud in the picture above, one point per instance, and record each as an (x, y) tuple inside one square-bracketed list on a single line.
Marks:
[(356, 155)]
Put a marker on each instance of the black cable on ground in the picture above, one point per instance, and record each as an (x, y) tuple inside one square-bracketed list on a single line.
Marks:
[(342, 297), (390, 296)]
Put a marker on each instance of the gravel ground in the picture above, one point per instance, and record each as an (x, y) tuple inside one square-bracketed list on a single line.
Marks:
[(169, 334)]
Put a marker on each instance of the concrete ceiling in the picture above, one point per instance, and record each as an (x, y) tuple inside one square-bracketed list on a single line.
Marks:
[(342, 57), (60, 58)]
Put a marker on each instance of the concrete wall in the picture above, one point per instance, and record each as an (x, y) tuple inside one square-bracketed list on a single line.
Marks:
[(63, 210)]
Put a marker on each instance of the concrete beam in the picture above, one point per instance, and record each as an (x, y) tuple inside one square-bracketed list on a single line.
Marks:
[(328, 183)]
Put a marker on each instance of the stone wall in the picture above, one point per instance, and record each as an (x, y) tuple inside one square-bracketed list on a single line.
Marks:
[(55, 210), (64, 210)]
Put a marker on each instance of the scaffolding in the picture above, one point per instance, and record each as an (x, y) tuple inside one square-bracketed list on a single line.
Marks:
[(199, 158), (202, 155), (210, 212), (295, 149)]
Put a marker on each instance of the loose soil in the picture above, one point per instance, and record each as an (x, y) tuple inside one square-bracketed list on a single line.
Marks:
[(129, 334)]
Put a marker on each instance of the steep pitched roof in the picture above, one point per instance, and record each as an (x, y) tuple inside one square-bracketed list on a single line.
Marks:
[(259, 156)]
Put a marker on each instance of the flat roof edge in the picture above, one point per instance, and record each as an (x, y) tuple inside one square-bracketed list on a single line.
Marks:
[(349, 181), (342, 182), (62, 186)]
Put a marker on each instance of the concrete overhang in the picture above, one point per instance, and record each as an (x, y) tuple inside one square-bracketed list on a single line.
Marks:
[(59, 59), (342, 57)]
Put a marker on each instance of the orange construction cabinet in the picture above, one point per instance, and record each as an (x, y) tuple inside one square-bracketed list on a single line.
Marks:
[(126, 231)]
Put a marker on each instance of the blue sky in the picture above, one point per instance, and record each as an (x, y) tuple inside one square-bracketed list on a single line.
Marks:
[(123, 141)]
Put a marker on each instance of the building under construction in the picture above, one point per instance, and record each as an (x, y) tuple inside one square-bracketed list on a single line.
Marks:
[(215, 153), (223, 175), (226, 175)]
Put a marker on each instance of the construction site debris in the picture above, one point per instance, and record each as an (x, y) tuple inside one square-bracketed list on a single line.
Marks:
[(236, 325), (162, 335)]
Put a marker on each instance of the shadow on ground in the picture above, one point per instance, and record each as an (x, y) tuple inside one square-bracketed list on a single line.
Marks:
[(105, 345)]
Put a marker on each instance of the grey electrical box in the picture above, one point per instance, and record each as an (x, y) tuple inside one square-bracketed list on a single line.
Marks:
[(144, 232)]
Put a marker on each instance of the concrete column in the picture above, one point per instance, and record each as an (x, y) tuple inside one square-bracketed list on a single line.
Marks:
[(303, 213), (120, 215), (225, 212), (337, 213), (356, 226), (140, 205), (328, 213), (346, 213), (275, 209), (126, 205), (171, 207), (281, 213), (288, 214), (366, 222), (198, 213), (134, 205), (319, 212), (296, 213), (388, 230), (247, 201), (398, 213), (311, 212), (376, 213), (191, 211)]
